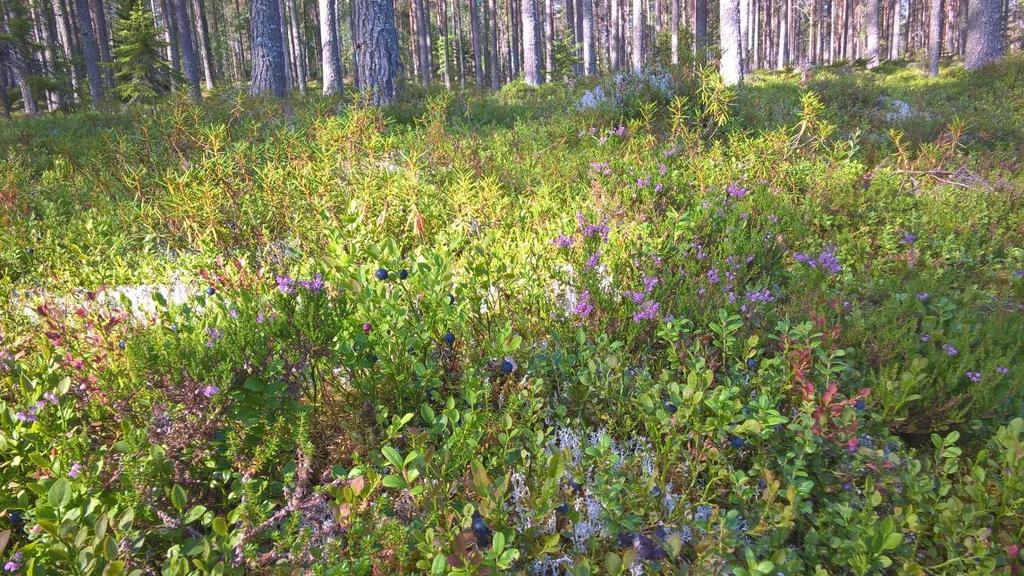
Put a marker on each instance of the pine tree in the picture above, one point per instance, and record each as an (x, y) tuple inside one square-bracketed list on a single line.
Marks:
[(140, 68)]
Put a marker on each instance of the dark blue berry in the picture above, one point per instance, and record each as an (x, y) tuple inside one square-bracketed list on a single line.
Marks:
[(575, 486), (16, 520), (403, 274), (451, 299), (660, 532), (647, 549), (121, 345), (481, 531), (562, 509), (737, 442), (752, 363), (210, 290), (656, 492), (30, 251), (449, 338), (860, 405), (626, 539), (382, 274), (506, 367), (670, 408)]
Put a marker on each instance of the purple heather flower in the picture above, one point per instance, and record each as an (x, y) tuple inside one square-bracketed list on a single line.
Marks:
[(620, 131), (736, 191), (926, 338), (649, 283), (212, 335), (233, 313), (590, 230), (712, 276), (950, 350), (732, 297), (662, 169), (210, 391), (658, 187), (51, 398), (285, 284), (314, 285), (594, 260), (24, 418), (1002, 370), (828, 262), (974, 376), (75, 470), (563, 241), (14, 563), (643, 182), (648, 311), (908, 237), (803, 258), (1018, 274), (922, 296), (760, 296), (636, 297), (583, 308), (260, 318)]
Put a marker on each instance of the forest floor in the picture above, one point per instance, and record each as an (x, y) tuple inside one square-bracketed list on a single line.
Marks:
[(636, 325)]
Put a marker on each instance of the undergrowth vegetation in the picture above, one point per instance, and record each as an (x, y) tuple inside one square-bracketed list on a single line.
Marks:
[(652, 325)]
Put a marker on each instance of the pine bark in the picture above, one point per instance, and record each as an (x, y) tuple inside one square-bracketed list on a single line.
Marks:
[(984, 33), (675, 32), (268, 65), (871, 21), (549, 40), (190, 63), (103, 41), (783, 55), (495, 56), (638, 35), (298, 54), (423, 42), (377, 49), (476, 41), (730, 65), (700, 30), (586, 7), (330, 48), (48, 32), (935, 37), (90, 52), (531, 45), (205, 49)]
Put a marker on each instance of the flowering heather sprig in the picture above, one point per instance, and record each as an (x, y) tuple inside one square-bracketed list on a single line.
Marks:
[(285, 285), (589, 230), (922, 296), (926, 338), (712, 276), (760, 296), (314, 284), (648, 311), (950, 350), (649, 283), (736, 191), (826, 260), (594, 260), (636, 297), (212, 335), (75, 470), (662, 169), (14, 564), (583, 308), (1002, 370), (602, 168), (643, 181), (908, 237), (973, 376), (563, 241)]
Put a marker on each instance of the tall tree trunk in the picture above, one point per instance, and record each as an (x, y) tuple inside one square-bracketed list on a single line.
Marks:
[(531, 53), (377, 46), (783, 33), (422, 41), (330, 48), (190, 63), (299, 60), (515, 36), (700, 30), (171, 35), (570, 28), (586, 8), (353, 16), (103, 41), (730, 65), (476, 41), (268, 65), (984, 33), (549, 40), (289, 76), (675, 32), (638, 35), (5, 109), (744, 30), (935, 37), (495, 56), (871, 20), (442, 16), (459, 50), (13, 54), (205, 51), (48, 31), (615, 48), (90, 52)]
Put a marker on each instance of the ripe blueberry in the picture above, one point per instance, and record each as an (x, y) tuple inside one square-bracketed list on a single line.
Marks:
[(121, 345), (575, 486), (403, 274), (449, 338), (210, 291), (481, 531), (860, 405), (737, 442), (506, 367), (670, 408), (656, 492), (562, 509), (752, 363), (451, 299), (382, 274)]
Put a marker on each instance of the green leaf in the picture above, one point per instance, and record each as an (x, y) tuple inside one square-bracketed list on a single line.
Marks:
[(178, 498), (60, 493), (115, 568), (220, 526), (393, 456), (892, 541), (194, 514), (439, 564), (392, 481)]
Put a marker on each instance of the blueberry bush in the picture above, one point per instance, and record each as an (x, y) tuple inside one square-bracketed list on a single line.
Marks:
[(647, 325)]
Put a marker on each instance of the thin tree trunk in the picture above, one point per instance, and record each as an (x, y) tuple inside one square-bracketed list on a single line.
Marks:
[(17, 65), (48, 30), (301, 76), (476, 41), (190, 63), (586, 7), (495, 56), (700, 30), (90, 52), (638, 35), (871, 19), (730, 65), (330, 48), (549, 40), (4, 100), (935, 37), (422, 42), (570, 28), (894, 31), (103, 41), (531, 53), (289, 76), (205, 51), (783, 32), (459, 50), (442, 16)]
